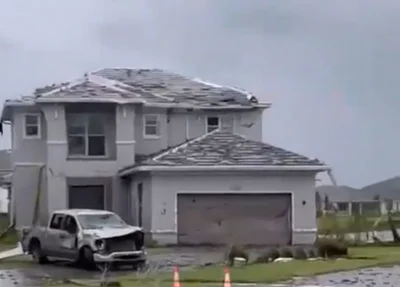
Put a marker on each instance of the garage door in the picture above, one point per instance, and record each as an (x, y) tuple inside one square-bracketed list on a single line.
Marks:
[(234, 218), (87, 196)]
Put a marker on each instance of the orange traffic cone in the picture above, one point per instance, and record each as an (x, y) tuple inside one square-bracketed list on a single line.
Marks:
[(176, 283), (227, 278)]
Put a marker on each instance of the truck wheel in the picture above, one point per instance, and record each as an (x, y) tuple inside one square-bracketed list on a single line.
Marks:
[(86, 258), (37, 254)]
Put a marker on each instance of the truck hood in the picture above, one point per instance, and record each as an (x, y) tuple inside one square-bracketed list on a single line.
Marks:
[(109, 232)]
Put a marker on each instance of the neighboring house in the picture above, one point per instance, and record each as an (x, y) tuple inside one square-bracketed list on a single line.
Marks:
[(181, 157), (373, 199)]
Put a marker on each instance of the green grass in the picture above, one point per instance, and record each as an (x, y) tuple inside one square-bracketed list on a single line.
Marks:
[(350, 224), (359, 257)]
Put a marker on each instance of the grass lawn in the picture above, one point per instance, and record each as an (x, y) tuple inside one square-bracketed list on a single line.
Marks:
[(360, 257), (349, 224)]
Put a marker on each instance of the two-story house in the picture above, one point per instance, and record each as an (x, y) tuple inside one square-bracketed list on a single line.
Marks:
[(181, 157)]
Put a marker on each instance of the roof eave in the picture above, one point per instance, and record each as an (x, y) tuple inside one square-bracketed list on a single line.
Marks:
[(311, 168), (147, 104), (6, 113)]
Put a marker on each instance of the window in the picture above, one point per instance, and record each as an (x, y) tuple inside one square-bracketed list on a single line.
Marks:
[(99, 221), (56, 221), (342, 206), (86, 135), (212, 124), (70, 225), (151, 126), (32, 126)]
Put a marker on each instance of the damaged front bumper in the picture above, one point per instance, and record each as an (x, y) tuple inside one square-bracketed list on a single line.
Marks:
[(121, 257)]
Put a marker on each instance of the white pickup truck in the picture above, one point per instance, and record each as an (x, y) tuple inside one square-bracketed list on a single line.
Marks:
[(86, 236)]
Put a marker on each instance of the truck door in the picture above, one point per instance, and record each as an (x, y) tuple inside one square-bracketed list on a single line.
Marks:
[(53, 235), (69, 240)]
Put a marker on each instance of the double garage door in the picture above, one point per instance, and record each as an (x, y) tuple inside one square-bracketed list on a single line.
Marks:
[(263, 219)]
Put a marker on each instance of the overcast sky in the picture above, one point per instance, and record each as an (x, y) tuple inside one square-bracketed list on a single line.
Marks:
[(330, 68)]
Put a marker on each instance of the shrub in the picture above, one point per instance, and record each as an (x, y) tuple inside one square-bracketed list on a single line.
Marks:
[(286, 253), (149, 242), (311, 253), (268, 256), (263, 258), (237, 251), (329, 247), (299, 253)]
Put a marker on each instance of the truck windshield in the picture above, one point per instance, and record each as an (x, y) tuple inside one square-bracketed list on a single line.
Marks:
[(100, 221)]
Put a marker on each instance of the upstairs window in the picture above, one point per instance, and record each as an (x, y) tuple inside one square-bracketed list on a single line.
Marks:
[(213, 124), (151, 126), (86, 135), (32, 126)]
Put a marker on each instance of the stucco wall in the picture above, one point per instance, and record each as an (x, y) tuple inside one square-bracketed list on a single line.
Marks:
[(164, 188), (145, 179)]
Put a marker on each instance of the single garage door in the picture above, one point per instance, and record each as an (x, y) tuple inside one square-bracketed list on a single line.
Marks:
[(86, 196), (234, 218)]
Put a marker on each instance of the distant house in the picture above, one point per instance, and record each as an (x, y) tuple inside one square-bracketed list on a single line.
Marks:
[(375, 198)]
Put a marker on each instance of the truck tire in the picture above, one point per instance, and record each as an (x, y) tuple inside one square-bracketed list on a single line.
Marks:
[(35, 249), (86, 260)]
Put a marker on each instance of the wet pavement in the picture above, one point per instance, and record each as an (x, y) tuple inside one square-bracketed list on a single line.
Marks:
[(372, 277), (163, 259), (160, 259)]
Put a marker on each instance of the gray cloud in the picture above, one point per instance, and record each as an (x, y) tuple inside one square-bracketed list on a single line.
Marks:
[(329, 68)]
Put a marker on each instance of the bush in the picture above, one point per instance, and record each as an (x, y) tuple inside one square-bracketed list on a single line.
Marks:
[(329, 247), (237, 251), (149, 242), (311, 253), (286, 253), (299, 253), (263, 258)]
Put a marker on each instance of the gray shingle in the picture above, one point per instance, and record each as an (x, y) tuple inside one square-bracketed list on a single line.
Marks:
[(149, 86), (225, 148)]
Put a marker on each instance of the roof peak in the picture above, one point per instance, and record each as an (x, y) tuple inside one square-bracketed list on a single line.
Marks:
[(150, 87)]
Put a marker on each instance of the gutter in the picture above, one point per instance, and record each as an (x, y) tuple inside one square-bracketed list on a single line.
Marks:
[(147, 104), (313, 168)]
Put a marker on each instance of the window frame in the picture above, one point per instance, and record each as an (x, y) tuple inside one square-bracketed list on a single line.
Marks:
[(207, 125), (39, 133), (147, 136), (86, 135), (61, 223)]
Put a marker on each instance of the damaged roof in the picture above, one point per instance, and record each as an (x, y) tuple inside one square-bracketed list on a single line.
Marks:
[(223, 148), (145, 86)]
